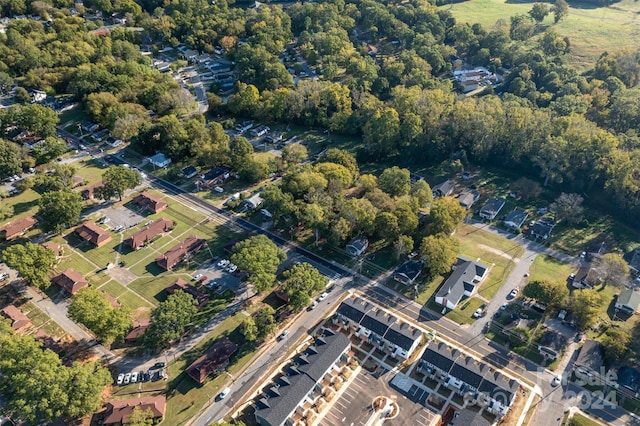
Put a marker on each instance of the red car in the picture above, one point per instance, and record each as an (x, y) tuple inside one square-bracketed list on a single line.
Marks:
[(203, 279)]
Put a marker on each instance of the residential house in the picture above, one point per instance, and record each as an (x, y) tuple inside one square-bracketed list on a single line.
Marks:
[(149, 233), (468, 376), (114, 142), (18, 228), (54, 247), (92, 233), (189, 172), (358, 245), (213, 177), (274, 137), (469, 85), (634, 261), (443, 189), (586, 277), (137, 331), (628, 301), (38, 96), (596, 250), (408, 272), (181, 252), (243, 127), (629, 379), (253, 202), (590, 360), (19, 321), (159, 160), (190, 55), (180, 284), (491, 208), (378, 326), (152, 203), (89, 192), (89, 127), (118, 412), (259, 131), (70, 280), (214, 360), (543, 228), (462, 282), (306, 382), (468, 198), (551, 344), (516, 219)]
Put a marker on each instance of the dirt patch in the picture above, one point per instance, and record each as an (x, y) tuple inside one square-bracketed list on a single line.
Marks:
[(498, 252)]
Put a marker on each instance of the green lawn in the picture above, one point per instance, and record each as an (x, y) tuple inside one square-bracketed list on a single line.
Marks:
[(546, 268), (152, 288), (185, 397), (492, 250), (591, 30), (580, 420), (462, 313)]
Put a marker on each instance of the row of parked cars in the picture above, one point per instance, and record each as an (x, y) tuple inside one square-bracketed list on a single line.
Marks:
[(153, 374)]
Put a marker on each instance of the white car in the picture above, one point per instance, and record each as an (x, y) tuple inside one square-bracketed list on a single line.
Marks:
[(120, 379), (223, 263), (478, 313), (556, 381), (4, 276), (323, 296), (232, 268), (224, 393), (134, 377), (218, 189), (313, 305), (197, 276), (514, 292), (127, 378)]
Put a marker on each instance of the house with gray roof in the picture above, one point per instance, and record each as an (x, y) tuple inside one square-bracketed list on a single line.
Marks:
[(491, 208), (516, 219), (628, 301), (302, 386), (408, 272), (462, 282), (543, 228), (378, 327), (465, 375), (443, 189), (358, 245), (468, 198), (590, 360), (551, 344)]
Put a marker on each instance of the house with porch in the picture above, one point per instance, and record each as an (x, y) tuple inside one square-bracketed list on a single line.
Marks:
[(70, 280), (93, 234), (516, 219), (628, 301), (358, 245), (16, 229), (491, 208), (443, 189), (408, 273)]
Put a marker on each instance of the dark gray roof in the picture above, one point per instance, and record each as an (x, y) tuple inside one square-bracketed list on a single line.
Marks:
[(326, 355), (492, 206), (634, 261), (543, 227), (517, 217), (462, 371), (444, 188), (281, 403), (359, 243), (629, 378), (410, 269), (591, 355), (350, 309), (439, 355), (553, 340), (461, 279), (377, 323), (401, 335)]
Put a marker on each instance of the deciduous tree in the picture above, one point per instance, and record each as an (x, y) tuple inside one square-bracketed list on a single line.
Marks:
[(440, 252), (538, 12), (568, 207), (551, 293), (10, 159), (59, 210), (445, 215), (613, 269), (302, 281), (395, 181), (585, 306), (92, 308), (265, 322), (259, 257), (170, 318), (33, 262), (616, 343), (294, 153), (117, 179)]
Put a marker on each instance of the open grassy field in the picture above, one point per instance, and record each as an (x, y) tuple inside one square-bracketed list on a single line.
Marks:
[(591, 30), (546, 268), (492, 250)]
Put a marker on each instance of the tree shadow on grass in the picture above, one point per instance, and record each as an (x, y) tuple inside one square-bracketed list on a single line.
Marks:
[(19, 208)]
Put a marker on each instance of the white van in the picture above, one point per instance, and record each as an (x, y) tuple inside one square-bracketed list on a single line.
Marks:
[(224, 393)]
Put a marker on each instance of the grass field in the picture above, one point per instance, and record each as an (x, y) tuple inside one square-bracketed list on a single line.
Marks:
[(591, 30), (492, 250), (579, 420), (546, 268)]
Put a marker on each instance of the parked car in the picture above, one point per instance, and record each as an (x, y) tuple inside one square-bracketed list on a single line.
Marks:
[(159, 365), (232, 268), (197, 276), (514, 292), (223, 263), (283, 335), (313, 305), (134, 377), (203, 279), (556, 381), (479, 312), (323, 296), (127, 378), (218, 189), (120, 379), (224, 393), (4, 276)]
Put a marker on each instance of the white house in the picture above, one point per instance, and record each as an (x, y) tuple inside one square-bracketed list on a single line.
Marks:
[(160, 160)]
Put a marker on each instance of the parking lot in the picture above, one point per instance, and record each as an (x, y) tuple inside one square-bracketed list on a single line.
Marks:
[(218, 278), (354, 406), (121, 217)]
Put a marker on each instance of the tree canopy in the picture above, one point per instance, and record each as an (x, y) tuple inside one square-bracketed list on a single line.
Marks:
[(116, 180), (33, 262), (170, 319), (259, 257), (301, 283), (440, 252), (59, 210), (92, 308)]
